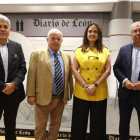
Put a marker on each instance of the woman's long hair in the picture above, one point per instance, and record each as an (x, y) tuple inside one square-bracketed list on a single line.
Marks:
[(98, 42)]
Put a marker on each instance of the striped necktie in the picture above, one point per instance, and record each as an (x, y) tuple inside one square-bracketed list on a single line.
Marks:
[(58, 75)]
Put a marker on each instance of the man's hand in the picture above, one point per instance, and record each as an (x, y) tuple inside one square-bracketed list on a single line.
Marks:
[(31, 100), (9, 88), (129, 85), (137, 85)]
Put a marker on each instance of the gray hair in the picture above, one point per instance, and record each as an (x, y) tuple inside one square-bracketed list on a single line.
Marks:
[(134, 23), (54, 30), (5, 19)]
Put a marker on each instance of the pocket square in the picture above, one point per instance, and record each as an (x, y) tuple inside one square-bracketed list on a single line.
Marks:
[(14, 56)]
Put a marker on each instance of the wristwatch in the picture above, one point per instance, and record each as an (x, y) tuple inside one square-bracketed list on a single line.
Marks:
[(96, 85)]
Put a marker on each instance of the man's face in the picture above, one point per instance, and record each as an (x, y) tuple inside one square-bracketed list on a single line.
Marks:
[(136, 33), (4, 30), (54, 41)]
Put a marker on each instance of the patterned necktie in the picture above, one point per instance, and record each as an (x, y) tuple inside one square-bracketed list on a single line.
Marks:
[(58, 74)]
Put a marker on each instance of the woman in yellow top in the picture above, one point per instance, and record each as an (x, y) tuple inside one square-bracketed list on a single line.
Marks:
[(91, 67)]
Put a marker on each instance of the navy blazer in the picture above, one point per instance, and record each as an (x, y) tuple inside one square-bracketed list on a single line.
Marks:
[(123, 69), (16, 70)]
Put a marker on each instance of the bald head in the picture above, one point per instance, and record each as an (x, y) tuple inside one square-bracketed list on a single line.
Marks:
[(55, 31)]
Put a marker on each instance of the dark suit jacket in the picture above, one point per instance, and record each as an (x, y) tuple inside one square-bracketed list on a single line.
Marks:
[(123, 69), (16, 70)]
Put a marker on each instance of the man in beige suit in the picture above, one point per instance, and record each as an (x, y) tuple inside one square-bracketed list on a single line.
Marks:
[(49, 77)]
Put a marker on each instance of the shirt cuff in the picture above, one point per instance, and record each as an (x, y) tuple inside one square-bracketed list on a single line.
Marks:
[(15, 84), (124, 81)]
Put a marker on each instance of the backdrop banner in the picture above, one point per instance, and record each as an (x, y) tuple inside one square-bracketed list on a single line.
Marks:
[(62, 135), (40, 27)]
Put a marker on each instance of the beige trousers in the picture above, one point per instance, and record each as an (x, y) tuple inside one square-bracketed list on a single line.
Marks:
[(55, 110)]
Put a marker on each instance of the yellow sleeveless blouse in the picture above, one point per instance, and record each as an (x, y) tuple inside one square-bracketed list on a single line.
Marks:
[(91, 68)]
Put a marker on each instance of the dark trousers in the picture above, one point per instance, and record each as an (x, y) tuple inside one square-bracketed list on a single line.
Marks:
[(126, 108), (81, 109), (10, 112)]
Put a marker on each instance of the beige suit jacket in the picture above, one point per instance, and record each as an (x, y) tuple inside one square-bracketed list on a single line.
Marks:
[(40, 80)]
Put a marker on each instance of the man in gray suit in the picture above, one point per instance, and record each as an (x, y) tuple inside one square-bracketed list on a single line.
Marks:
[(12, 73)]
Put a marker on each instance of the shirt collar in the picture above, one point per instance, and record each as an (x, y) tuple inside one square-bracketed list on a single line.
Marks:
[(52, 52), (88, 49), (135, 46)]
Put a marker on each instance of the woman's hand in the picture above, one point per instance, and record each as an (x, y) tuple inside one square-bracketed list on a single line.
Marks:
[(90, 89)]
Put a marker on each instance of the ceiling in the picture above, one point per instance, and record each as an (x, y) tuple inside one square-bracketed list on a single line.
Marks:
[(41, 6)]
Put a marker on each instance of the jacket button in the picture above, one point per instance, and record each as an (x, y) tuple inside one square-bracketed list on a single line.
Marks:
[(96, 68), (87, 68), (88, 78)]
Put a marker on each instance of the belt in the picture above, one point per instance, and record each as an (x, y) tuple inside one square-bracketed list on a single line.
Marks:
[(57, 96)]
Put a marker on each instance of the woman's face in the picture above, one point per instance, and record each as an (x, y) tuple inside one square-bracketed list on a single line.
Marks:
[(92, 34)]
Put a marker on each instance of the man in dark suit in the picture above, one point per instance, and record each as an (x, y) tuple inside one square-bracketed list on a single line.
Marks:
[(127, 71), (12, 73)]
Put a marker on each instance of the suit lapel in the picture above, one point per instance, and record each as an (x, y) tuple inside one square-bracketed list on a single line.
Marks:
[(129, 57), (1, 63), (48, 60), (10, 52), (65, 63)]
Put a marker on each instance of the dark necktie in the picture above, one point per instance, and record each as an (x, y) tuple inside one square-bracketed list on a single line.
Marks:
[(58, 75)]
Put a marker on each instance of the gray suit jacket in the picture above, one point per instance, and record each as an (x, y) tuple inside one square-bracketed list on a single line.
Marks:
[(16, 70)]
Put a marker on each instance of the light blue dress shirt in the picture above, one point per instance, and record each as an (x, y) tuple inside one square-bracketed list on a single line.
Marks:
[(53, 69), (135, 64)]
